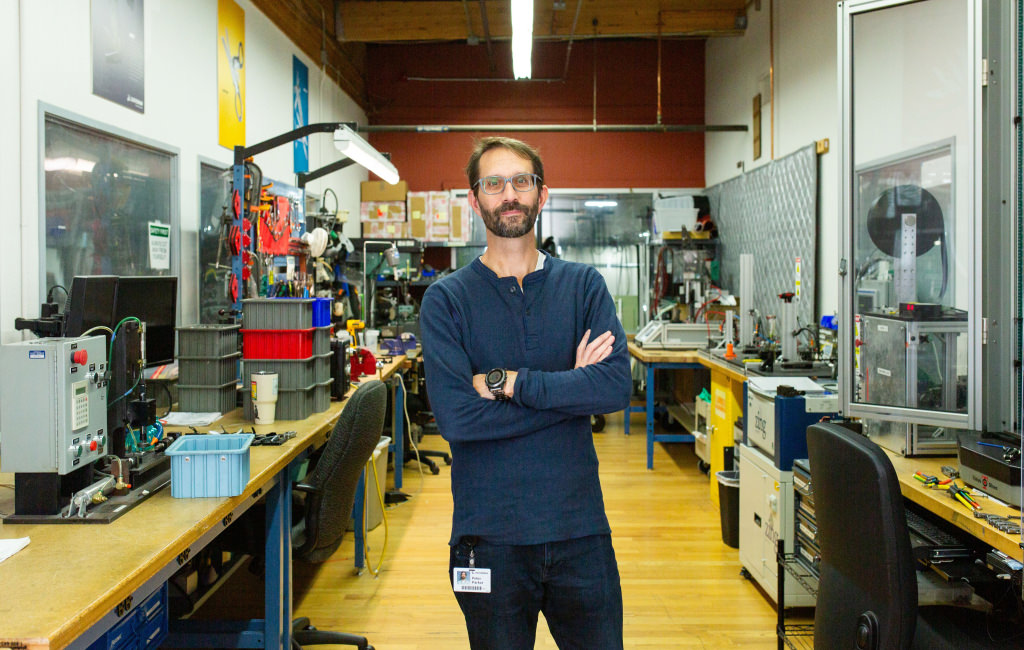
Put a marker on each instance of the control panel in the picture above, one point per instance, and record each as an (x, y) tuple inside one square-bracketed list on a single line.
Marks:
[(54, 408)]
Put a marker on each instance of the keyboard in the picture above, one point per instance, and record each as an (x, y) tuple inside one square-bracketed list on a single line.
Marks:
[(931, 542)]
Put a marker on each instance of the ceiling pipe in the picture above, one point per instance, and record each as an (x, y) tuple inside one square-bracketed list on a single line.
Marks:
[(658, 120), (771, 72), (594, 74), (572, 34), (621, 128), (471, 38), (487, 34)]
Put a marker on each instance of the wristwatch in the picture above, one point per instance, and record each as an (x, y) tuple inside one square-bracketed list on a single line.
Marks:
[(495, 380)]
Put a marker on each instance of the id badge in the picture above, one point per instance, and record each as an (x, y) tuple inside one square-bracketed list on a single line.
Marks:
[(471, 580)]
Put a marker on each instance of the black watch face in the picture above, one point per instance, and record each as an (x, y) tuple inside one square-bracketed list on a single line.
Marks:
[(493, 377)]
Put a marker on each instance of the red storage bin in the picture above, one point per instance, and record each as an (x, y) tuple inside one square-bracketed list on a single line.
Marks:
[(277, 344)]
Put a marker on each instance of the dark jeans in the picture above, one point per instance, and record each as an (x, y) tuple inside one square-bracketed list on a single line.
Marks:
[(574, 582)]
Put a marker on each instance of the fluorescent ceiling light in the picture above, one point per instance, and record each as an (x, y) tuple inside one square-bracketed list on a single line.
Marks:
[(68, 165), (362, 152), (601, 204), (522, 38)]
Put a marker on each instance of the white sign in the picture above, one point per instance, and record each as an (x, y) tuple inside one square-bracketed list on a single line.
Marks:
[(159, 245)]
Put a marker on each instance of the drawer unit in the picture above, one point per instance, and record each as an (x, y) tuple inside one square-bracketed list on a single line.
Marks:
[(766, 516), (805, 546), (143, 627)]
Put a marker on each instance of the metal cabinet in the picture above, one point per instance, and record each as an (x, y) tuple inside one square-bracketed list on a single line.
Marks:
[(766, 518)]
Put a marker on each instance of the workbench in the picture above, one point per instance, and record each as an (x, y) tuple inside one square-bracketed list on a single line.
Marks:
[(74, 582)]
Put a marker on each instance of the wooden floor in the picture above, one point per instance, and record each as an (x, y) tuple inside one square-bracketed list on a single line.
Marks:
[(681, 585)]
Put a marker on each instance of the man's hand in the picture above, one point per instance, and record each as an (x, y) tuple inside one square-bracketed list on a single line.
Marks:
[(480, 384), (594, 351)]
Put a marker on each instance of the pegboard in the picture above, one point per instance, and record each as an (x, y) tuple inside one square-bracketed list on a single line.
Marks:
[(772, 213)]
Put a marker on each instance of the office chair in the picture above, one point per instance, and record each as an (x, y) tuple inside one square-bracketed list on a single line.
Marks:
[(418, 406), (423, 455), (330, 491), (867, 589)]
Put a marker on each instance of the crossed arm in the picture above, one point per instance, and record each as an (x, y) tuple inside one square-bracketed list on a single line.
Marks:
[(587, 352)]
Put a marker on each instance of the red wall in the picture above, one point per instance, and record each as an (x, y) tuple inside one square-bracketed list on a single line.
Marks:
[(627, 93)]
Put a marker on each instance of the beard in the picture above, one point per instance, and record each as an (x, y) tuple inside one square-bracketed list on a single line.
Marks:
[(510, 228)]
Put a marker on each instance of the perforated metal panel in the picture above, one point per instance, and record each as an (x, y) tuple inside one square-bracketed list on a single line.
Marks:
[(771, 212)]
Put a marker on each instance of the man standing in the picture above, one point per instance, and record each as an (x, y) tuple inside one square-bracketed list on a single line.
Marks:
[(513, 377)]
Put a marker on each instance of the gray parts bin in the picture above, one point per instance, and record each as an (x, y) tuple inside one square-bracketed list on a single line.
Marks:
[(729, 506)]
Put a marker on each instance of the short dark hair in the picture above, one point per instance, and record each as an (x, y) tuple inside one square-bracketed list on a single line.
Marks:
[(483, 145)]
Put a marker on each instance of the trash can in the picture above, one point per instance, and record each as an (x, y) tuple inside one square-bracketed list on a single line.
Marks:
[(729, 506), (373, 512)]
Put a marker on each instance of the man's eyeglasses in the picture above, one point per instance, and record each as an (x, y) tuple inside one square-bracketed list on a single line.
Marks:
[(496, 184)]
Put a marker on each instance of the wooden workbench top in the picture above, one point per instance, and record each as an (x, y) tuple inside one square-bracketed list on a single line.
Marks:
[(938, 502), (648, 355)]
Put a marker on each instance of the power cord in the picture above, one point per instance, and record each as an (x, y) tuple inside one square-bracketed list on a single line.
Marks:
[(412, 443)]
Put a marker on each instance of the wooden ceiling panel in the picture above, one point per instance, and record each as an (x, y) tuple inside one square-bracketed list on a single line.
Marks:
[(451, 20), (338, 29), (309, 24)]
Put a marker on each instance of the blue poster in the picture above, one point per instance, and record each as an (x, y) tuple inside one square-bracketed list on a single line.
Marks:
[(300, 112)]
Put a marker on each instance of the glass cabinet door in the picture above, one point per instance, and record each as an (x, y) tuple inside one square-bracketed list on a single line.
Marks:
[(909, 204)]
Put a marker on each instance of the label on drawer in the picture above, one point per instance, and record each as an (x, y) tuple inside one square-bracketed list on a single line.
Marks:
[(761, 430)]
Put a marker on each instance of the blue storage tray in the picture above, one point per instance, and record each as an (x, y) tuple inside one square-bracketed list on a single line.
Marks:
[(209, 465)]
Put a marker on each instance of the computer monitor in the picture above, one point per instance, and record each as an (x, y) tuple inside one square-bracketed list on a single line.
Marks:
[(90, 303), (153, 299)]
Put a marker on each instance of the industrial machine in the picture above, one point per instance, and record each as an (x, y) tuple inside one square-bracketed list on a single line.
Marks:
[(54, 418), (779, 410), (910, 359), (992, 467), (663, 335), (80, 433)]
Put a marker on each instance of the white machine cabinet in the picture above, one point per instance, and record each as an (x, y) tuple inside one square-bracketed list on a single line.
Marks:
[(766, 515)]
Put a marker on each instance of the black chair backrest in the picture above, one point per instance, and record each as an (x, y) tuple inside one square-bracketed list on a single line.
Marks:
[(866, 560), (336, 475)]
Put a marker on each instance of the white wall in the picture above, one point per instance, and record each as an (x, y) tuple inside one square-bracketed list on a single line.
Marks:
[(45, 57), (806, 107)]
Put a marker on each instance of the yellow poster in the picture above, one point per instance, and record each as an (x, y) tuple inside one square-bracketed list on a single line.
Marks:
[(231, 73)]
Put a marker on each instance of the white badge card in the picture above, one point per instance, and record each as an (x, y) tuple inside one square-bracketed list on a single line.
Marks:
[(476, 581)]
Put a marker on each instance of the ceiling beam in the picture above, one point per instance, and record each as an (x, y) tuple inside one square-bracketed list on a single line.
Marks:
[(445, 20), (310, 25)]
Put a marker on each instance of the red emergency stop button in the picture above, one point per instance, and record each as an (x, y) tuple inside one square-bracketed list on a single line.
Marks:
[(81, 357), (92, 445)]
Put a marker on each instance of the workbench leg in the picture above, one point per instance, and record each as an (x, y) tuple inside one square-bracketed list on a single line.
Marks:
[(358, 516), (398, 428), (649, 389), (277, 594)]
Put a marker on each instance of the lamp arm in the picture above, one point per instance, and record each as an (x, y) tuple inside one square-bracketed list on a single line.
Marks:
[(241, 153)]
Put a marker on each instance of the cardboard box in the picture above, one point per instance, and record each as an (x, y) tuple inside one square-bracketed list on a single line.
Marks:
[(416, 203), (382, 191), (385, 230), (461, 219), (382, 211), (429, 215)]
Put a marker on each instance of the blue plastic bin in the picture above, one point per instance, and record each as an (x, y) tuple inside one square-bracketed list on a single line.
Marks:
[(210, 465)]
